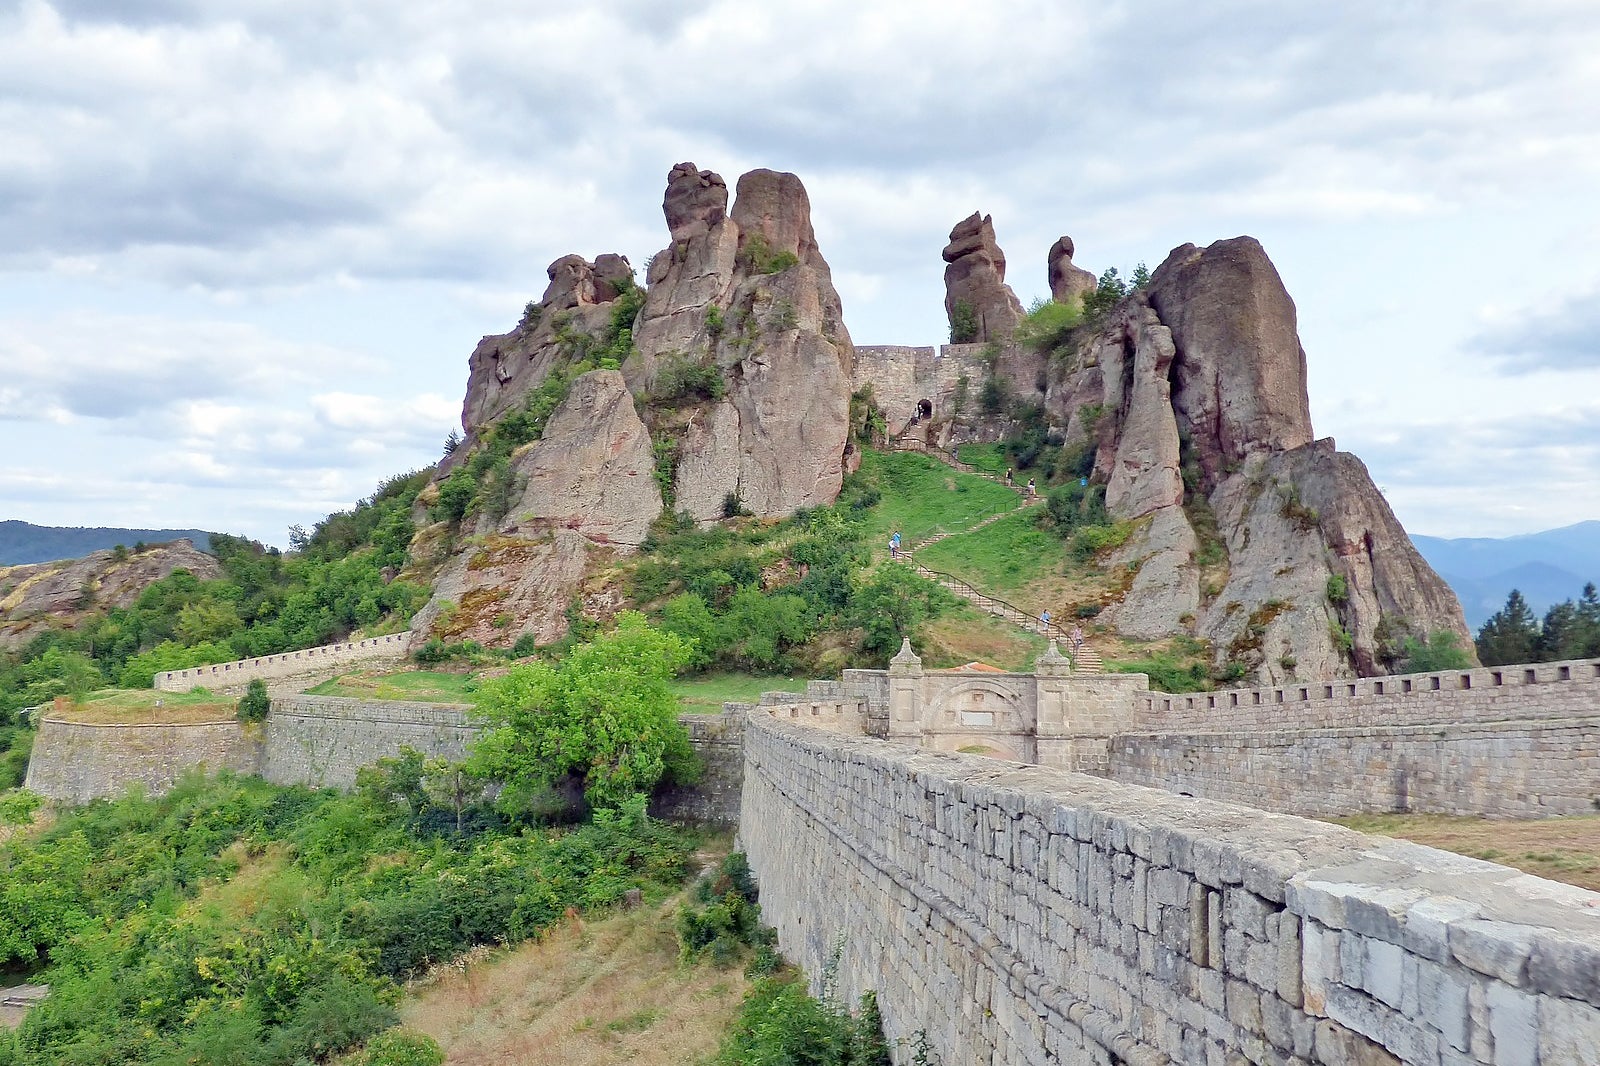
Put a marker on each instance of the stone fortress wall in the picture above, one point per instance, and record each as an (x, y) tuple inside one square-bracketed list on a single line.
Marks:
[(75, 762), (1027, 915), (902, 376), (292, 671), (1513, 741), (324, 740)]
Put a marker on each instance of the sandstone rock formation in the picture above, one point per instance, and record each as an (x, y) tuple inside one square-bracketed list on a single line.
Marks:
[(1196, 389), (738, 384), (1068, 282), (585, 488), (975, 283), (37, 595), (505, 367), (747, 296)]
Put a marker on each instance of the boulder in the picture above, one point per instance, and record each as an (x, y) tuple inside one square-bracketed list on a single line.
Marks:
[(1068, 283), (696, 200), (975, 278)]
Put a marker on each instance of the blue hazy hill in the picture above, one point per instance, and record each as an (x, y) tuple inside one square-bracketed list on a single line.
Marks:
[(24, 542)]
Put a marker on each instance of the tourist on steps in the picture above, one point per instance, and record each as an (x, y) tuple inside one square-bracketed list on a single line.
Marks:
[(1044, 620), (1032, 492), (1008, 477), (894, 545)]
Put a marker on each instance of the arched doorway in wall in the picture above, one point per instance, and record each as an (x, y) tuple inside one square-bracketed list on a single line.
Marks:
[(979, 713)]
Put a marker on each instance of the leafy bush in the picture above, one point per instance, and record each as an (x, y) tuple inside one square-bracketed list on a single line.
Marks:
[(1439, 650), (141, 670), (604, 715), (758, 255), (724, 919), (255, 703), (1106, 295), (681, 380), (399, 1047), (1091, 540), (1048, 325), (963, 322), (1338, 590)]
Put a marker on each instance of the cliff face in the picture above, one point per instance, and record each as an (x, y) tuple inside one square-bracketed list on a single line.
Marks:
[(38, 595), (1273, 546), (734, 392)]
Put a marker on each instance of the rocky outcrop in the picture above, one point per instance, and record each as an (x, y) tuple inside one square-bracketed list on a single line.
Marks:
[(1276, 549), (1069, 283), (978, 302), (585, 489), (505, 367), (1239, 384), (43, 595), (748, 299)]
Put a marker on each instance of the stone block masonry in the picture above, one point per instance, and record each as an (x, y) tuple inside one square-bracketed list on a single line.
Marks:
[(324, 740), (75, 762), (291, 671), (1026, 915)]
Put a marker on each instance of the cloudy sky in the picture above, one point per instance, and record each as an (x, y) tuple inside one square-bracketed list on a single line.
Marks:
[(246, 247)]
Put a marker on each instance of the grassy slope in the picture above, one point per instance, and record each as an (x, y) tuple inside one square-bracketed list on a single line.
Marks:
[(922, 496), (428, 686), (706, 693), (121, 706), (1562, 849)]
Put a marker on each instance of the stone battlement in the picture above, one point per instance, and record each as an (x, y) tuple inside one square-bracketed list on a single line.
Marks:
[(307, 664)]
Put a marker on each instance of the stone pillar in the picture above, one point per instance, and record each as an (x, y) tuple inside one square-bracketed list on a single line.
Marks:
[(905, 694), (1050, 671)]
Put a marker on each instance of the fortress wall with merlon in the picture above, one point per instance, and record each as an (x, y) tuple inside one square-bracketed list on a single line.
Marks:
[(1515, 769), (286, 670), (75, 762), (901, 376), (1484, 694), (1026, 915)]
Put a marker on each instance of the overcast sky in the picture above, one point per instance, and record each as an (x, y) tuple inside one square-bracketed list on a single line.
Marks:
[(246, 248)]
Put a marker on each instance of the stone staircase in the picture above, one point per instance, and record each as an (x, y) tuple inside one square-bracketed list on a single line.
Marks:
[(1085, 661)]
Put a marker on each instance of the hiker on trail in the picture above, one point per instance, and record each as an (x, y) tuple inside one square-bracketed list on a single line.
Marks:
[(1008, 477), (1044, 620), (894, 545), (1076, 639), (1032, 492)]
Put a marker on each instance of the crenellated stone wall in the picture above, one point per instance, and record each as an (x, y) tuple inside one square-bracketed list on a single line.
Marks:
[(1504, 742), (292, 671), (1026, 915), (902, 376)]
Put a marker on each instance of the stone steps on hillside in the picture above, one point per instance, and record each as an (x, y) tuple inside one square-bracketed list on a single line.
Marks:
[(1086, 661)]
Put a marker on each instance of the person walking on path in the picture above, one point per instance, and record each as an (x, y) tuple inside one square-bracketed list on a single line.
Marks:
[(1044, 620), (1075, 638), (1032, 492), (1008, 477), (894, 545)]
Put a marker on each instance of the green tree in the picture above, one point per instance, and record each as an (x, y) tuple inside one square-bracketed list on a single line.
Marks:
[(891, 605), (1439, 650), (605, 715), (1511, 635), (963, 323), (255, 703)]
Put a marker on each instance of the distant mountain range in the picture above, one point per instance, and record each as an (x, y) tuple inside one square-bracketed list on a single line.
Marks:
[(24, 542), (1547, 567)]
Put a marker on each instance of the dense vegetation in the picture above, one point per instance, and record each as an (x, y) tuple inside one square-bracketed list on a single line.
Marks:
[(237, 922), (1569, 630), (337, 578), (801, 594)]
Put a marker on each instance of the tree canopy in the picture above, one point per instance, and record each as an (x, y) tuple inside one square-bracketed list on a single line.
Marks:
[(605, 715)]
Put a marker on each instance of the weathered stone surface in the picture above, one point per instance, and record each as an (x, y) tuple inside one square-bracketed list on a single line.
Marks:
[(593, 470), (39, 595), (1135, 364), (1069, 283), (976, 277), (750, 294), (1240, 381), (588, 485), (696, 200), (505, 367)]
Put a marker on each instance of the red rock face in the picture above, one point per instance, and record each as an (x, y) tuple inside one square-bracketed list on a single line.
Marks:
[(1239, 381), (976, 277)]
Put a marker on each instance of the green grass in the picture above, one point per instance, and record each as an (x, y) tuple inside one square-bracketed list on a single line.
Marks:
[(1008, 555), (989, 458), (922, 496), (706, 693), (132, 705), (427, 686), (147, 697)]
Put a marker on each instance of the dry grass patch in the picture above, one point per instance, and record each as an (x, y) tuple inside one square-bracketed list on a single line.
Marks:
[(591, 992), (1561, 849), (144, 706)]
